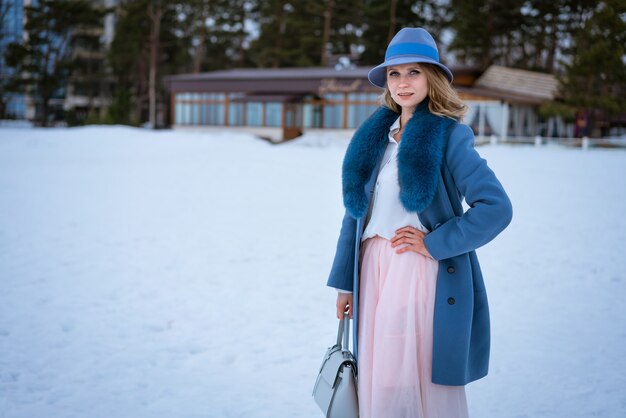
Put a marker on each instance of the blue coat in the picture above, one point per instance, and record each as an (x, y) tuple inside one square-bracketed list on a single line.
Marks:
[(437, 167)]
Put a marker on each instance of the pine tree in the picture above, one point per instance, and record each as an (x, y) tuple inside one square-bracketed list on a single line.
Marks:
[(125, 56), (129, 57), (5, 8), (544, 24), (595, 78), (308, 32), (218, 30), (381, 20), (345, 27), (486, 31), (88, 75), (44, 62), (289, 35)]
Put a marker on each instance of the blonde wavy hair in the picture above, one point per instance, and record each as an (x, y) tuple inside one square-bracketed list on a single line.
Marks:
[(444, 100)]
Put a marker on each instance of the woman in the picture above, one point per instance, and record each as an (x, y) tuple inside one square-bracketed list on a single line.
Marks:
[(405, 266)]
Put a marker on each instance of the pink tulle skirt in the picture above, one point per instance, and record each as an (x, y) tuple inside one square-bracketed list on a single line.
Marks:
[(396, 305)]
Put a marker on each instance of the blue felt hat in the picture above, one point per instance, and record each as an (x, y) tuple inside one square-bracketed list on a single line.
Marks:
[(409, 45)]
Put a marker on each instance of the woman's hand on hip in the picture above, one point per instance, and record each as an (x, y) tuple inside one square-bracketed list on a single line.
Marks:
[(344, 304), (413, 239)]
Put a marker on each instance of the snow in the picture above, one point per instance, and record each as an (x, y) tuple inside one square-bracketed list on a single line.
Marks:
[(181, 274)]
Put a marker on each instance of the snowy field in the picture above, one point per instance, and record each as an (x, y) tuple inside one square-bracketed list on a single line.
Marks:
[(175, 274)]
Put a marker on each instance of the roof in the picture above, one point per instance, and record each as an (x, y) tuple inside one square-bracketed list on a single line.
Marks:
[(512, 82), (282, 98), (275, 73), (482, 93), (284, 84), (274, 80)]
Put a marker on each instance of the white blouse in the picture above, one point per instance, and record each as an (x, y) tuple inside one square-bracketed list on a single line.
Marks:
[(386, 213)]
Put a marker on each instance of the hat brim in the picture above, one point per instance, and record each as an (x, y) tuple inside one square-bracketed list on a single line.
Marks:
[(378, 75)]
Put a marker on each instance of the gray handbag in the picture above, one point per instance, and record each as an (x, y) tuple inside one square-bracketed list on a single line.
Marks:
[(335, 389)]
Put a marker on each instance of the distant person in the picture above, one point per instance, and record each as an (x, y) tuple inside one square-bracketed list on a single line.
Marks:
[(405, 266), (581, 127)]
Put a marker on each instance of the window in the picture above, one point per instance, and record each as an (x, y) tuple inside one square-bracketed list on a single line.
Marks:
[(254, 114), (235, 114), (360, 107), (274, 114), (312, 115), (199, 108)]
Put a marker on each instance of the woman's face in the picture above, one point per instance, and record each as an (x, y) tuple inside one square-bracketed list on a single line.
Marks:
[(407, 84)]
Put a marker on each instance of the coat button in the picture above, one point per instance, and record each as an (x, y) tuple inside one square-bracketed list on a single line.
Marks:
[(450, 269), (451, 301)]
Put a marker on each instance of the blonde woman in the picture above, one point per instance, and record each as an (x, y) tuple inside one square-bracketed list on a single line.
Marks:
[(405, 267)]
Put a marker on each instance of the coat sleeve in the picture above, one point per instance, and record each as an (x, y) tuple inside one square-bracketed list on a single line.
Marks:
[(342, 272), (490, 208)]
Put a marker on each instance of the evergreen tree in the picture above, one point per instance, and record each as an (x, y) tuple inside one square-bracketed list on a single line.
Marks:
[(88, 75), (381, 20), (544, 25), (130, 52), (345, 28), (5, 8), (43, 61), (125, 56), (303, 33), (290, 36), (595, 77), (218, 30), (486, 32), (548, 28)]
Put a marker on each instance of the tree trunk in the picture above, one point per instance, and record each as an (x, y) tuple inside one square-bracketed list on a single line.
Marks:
[(488, 46), (552, 45), (198, 56), (328, 18), (393, 21), (242, 37), (155, 12), (199, 52), (539, 48), (92, 87), (44, 92), (282, 29), (45, 97)]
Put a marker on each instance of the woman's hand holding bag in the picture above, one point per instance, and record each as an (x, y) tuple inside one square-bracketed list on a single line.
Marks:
[(335, 389)]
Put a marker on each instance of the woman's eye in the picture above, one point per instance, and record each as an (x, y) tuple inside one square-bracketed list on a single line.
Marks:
[(393, 73), (414, 72)]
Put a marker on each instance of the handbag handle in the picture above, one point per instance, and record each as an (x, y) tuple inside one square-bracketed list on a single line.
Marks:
[(343, 333)]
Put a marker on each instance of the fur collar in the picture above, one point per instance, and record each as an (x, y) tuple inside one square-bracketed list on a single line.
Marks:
[(419, 158)]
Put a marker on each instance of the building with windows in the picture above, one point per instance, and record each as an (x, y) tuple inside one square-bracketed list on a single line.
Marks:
[(504, 101), (85, 93), (281, 104), (274, 103), (81, 94)]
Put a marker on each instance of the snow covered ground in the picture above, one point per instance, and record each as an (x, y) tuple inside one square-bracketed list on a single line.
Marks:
[(178, 274)]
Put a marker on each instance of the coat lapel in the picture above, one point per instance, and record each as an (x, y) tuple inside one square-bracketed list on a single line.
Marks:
[(419, 158)]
